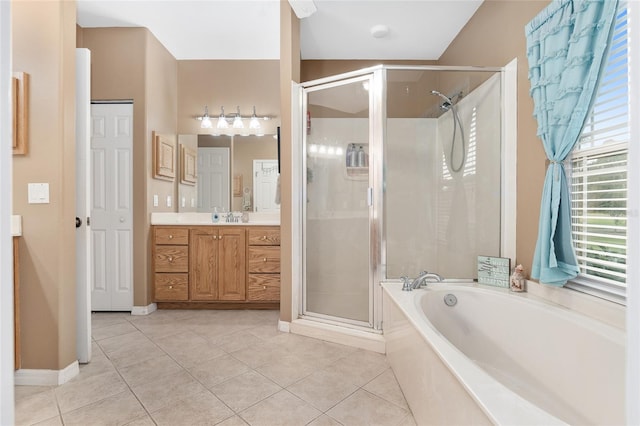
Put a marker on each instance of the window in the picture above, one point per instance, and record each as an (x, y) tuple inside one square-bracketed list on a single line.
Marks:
[(599, 179)]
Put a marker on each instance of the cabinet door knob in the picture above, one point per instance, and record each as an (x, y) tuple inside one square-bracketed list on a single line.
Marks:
[(215, 237), (264, 237), (170, 259), (264, 287), (264, 260), (220, 237), (170, 237), (170, 287)]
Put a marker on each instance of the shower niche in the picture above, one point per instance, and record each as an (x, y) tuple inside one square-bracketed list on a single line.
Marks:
[(426, 192)]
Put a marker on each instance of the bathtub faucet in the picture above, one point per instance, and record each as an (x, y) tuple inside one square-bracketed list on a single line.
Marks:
[(424, 277)]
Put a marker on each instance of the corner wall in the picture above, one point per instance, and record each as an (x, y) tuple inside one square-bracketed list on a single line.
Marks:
[(493, 37), (44, 41)]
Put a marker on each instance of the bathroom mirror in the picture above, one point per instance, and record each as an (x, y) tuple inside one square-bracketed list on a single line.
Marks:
[(231, 186)]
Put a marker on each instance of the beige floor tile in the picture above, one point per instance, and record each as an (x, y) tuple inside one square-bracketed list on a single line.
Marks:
[(189, 349), (386, 387), (363, 408), (233, 421), (166, 390), (35, 407), (408, 421), (217, 370), (283, 409), (178, 341), (323, 389), (99, 364), (243, 391), (118, 409), (24, 391), (148, 371), (117, 343), (236, 341), (142, 421), (135, 353), (261, 354), (325, 420), (266, 332), (105, 319), (202, 408), (73, 395), (216, 331), (360, 367), (112, 330), (160, 330), (287, 370), (54, 421)]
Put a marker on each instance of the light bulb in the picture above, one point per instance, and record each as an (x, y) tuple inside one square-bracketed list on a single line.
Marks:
[(206, 120), (237, 121), (222, 120), (254, 123)]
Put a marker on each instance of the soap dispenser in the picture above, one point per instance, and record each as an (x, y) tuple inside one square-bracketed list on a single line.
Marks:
[(361, 159)]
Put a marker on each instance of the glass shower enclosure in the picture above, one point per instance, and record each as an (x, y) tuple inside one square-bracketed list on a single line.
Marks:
[(401, 171)]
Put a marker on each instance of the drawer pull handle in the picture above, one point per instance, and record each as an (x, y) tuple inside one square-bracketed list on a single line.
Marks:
[(264, 238), (170, 259), (264, 287), (170, 237)]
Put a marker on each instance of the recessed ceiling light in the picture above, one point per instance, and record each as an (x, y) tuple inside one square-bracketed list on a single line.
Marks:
[(379, 31)]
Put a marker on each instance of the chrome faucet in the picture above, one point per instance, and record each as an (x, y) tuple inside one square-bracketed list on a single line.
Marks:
[(422, 278), (406, 284)]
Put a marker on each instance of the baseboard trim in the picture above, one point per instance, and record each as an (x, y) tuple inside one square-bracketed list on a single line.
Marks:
[(144, 310), (38, 377), (284, 326), (342, 335)]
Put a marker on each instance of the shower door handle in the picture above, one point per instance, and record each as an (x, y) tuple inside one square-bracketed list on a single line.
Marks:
[(369, 196)]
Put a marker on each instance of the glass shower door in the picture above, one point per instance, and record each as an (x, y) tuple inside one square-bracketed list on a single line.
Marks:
[(337, 271)]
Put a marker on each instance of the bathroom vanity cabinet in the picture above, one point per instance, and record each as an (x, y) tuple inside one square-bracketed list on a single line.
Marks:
[(216, 266)]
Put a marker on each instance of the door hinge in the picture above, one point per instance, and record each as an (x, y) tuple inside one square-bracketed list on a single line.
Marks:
[(88, 221), (369, 196)]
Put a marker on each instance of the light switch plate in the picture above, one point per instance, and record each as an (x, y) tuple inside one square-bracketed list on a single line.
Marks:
[(183, 202), (168, 200), (155, 200), (38, 193)]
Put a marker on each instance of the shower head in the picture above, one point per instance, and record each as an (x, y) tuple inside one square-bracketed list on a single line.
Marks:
[(447, 100)]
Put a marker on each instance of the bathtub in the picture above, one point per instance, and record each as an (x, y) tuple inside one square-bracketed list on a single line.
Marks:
[(497, 357)]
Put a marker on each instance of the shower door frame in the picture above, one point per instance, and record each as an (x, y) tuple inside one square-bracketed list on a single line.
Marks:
[(377, 110), (378, 128)]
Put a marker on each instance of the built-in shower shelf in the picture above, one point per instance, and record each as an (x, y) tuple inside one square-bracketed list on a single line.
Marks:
[(358, 173)]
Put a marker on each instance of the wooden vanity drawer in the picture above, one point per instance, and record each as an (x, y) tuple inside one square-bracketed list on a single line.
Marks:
[(171, 259), (171, 287), (171, 236), (263, 287), (264, 259), (264, 237)]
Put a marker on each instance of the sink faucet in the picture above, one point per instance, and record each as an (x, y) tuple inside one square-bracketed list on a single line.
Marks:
[(423, 277)]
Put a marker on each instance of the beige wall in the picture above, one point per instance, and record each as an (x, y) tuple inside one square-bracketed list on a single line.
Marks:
[(289, 71), (129, 63), (229, 84), (43, 36), (493, 37)]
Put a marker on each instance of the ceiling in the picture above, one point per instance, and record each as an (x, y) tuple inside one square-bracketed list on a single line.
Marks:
[(250, 29)]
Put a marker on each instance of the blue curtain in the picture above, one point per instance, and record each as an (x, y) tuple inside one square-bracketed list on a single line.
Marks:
[(566, 48)]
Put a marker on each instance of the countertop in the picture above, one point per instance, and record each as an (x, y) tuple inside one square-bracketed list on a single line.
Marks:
[(16, 225), (193, 218)]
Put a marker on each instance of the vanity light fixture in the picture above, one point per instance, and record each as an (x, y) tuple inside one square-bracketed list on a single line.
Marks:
[(237, 121), (222, 120), (206, 120), (233, 120), (254, 123)]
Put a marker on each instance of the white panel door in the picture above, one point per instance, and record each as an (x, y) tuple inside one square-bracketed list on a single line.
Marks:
[(111, 209), (265, 184), (213, 179), (83, 205)]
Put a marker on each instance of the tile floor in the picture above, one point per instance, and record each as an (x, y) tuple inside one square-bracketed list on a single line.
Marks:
[(216, 368)]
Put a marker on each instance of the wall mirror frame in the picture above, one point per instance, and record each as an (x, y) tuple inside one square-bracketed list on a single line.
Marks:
[(243, 150)]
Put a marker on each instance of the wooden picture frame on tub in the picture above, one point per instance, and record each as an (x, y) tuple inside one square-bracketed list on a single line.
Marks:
[(164, 156)]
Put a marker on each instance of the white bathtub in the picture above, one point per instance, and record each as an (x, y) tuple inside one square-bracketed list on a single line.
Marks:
[(502, 358)]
